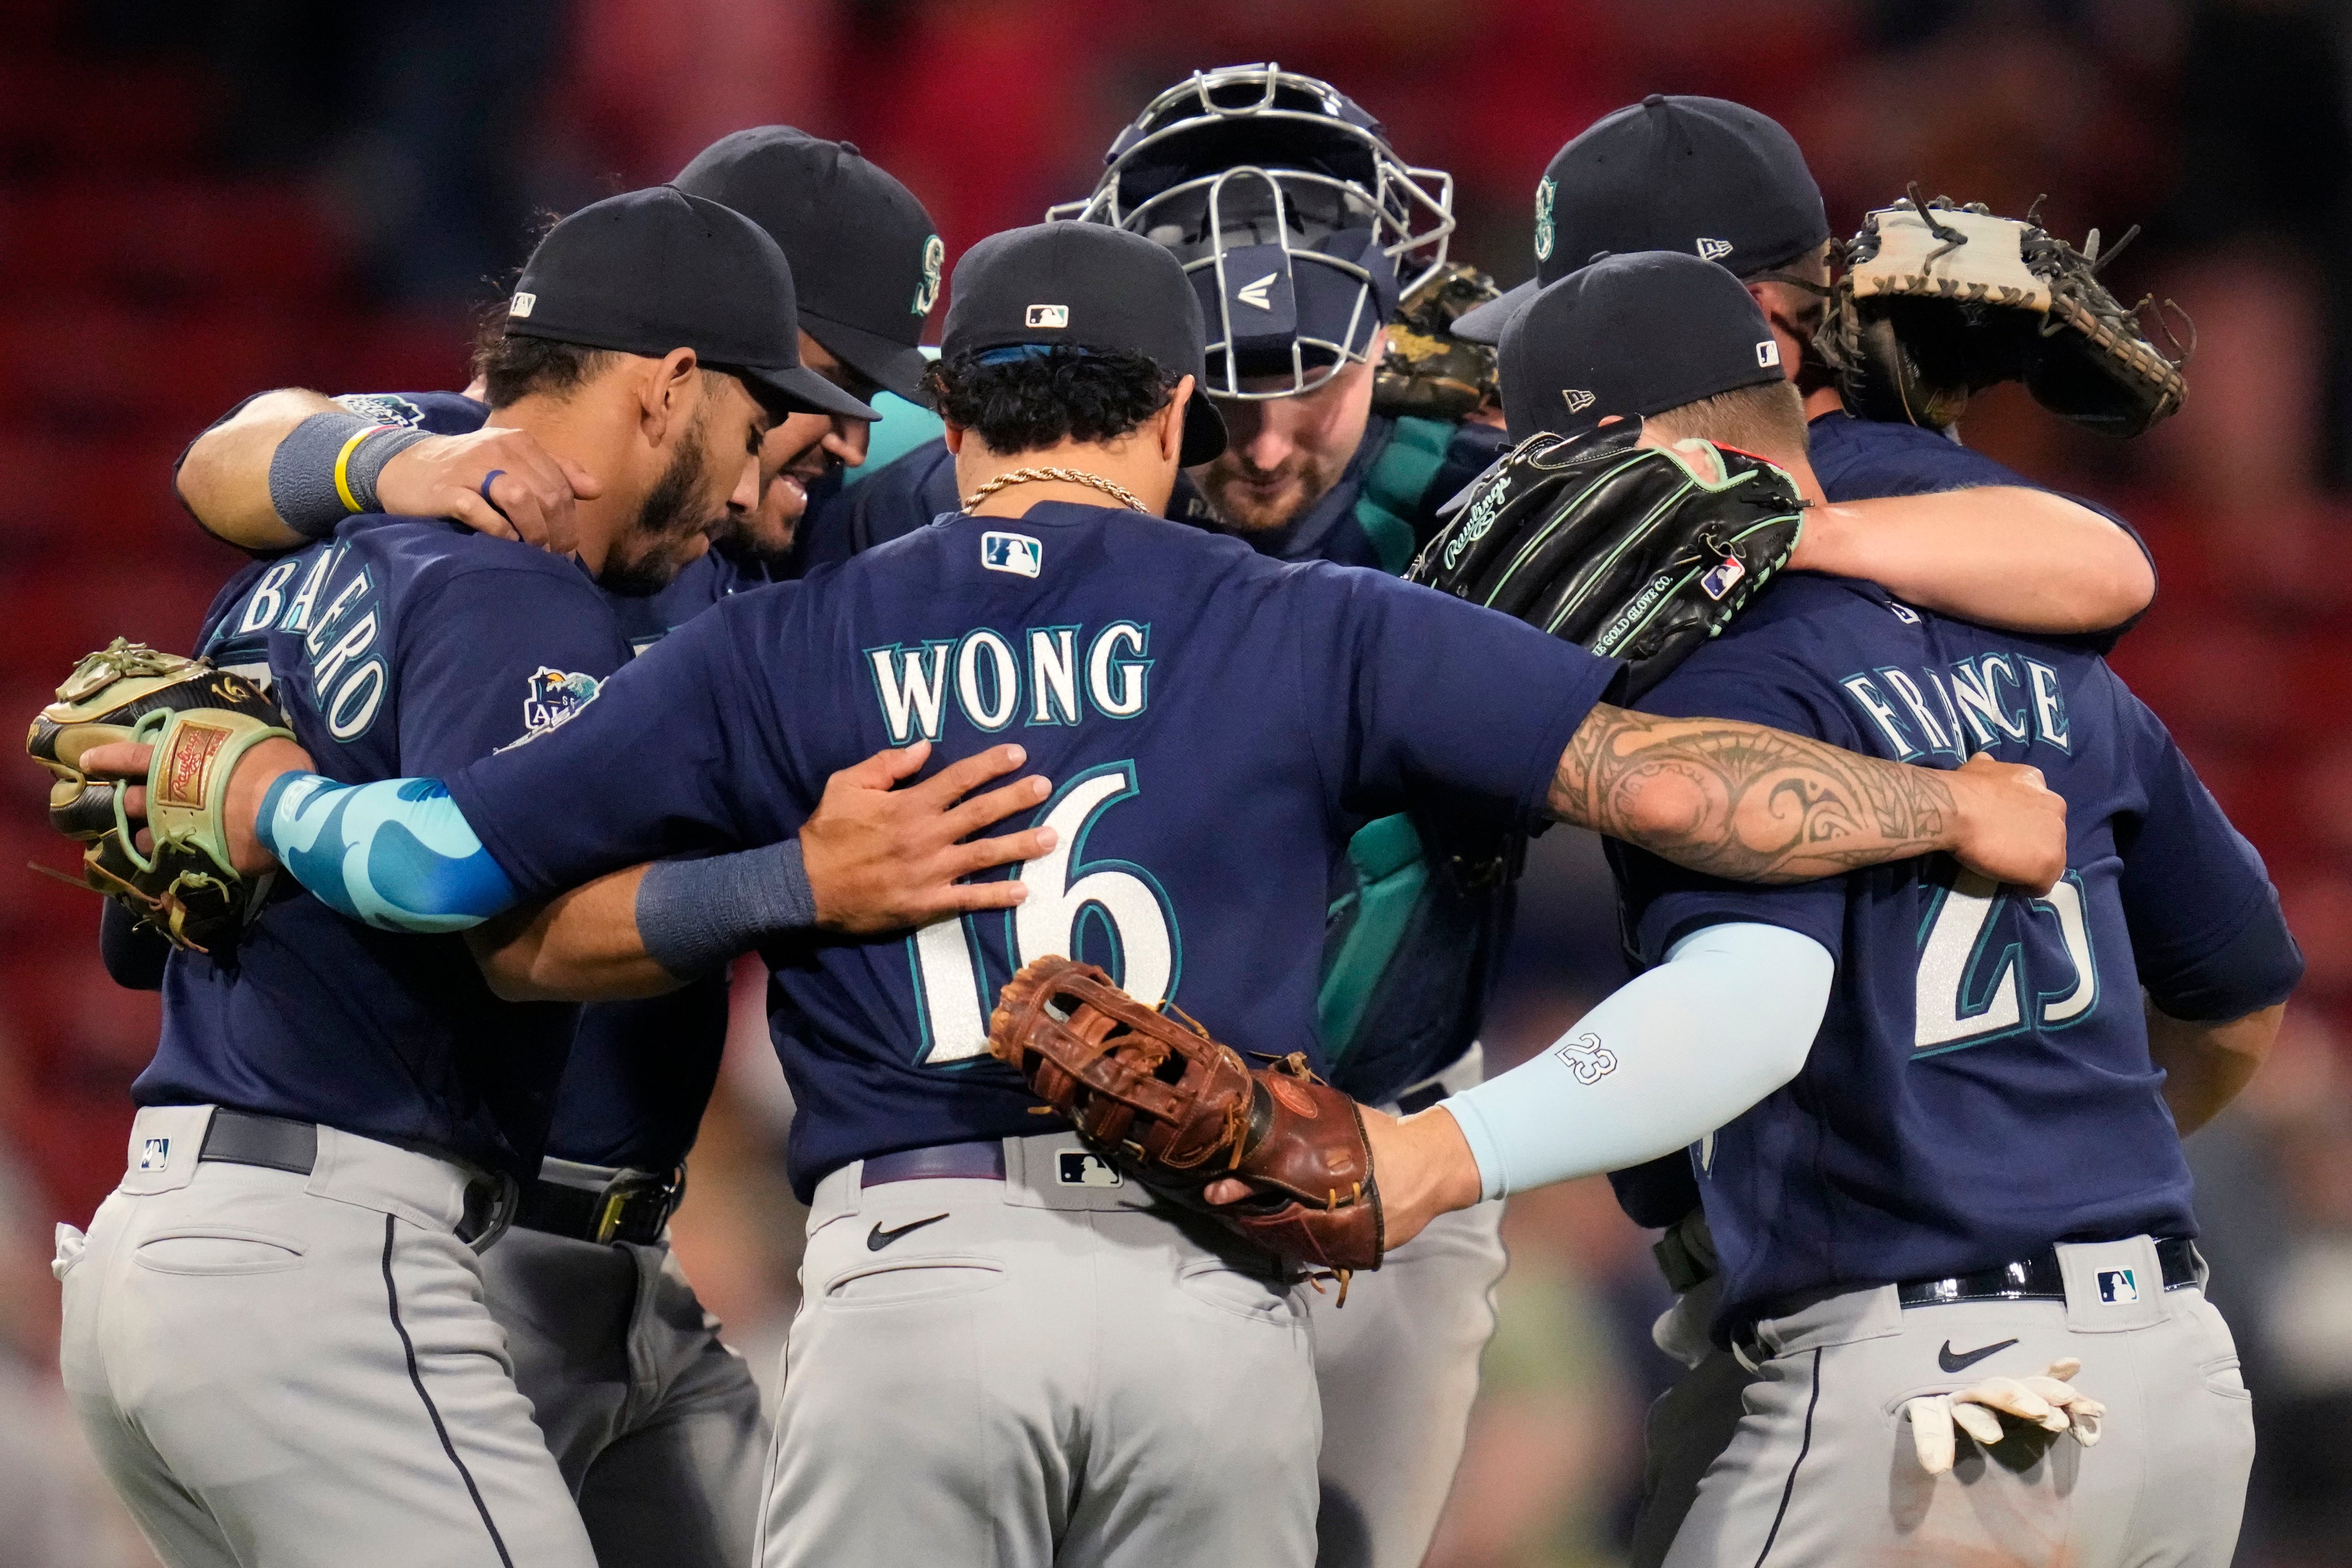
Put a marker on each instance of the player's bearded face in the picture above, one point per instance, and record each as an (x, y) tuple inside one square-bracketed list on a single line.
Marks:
[(675, 519), (1286, 453)]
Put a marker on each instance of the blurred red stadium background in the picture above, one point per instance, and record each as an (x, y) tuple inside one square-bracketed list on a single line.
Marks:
[(197, 202)]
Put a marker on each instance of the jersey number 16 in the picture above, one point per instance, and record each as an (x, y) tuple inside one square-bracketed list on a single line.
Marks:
[(1112, 912)]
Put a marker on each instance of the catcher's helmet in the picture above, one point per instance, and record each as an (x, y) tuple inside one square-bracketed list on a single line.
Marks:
[(1290, 212)]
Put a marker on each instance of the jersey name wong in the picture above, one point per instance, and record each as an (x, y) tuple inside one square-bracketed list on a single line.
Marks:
[(1038, 675)]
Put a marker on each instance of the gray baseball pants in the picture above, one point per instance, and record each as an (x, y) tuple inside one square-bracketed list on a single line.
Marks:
[(1038, 1370), (1820, 1467), (278, 1369), (1397, 1369), (655, 1424)]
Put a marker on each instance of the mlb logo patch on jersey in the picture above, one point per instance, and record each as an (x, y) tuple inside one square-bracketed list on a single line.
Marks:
[(2117, 1288), (1721, 579), (1015, 552), (155, 1155), (551, 697), (1078, 1168)]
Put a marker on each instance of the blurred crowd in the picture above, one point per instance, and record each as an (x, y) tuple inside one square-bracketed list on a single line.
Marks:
[(198, 201)]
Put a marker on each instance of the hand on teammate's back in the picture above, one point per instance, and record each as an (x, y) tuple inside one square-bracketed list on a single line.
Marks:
[(2013, 826), (531, 497), (880, 858)]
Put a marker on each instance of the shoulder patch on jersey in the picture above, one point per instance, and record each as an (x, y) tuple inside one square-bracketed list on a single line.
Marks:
[(1015, 552), (551, 697), (384, 407)]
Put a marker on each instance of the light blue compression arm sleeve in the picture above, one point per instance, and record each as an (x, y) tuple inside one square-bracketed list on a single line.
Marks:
[(397, 852), (1667, 1059)]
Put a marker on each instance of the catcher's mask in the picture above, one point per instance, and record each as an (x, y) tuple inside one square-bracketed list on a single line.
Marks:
[(1299, 225)]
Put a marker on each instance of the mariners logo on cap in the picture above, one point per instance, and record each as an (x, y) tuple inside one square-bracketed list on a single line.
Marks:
[(1047, 316), (935, 260), (1544, 191), (1577, 399), (1713, 249)]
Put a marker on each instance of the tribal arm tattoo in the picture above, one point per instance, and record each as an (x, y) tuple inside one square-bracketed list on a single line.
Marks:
[(1746, 803)]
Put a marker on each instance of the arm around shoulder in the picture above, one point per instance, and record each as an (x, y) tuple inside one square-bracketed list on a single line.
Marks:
[(223, 477)]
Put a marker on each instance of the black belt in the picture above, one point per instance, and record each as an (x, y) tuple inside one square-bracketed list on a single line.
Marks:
[(981, 1161), (281, 1143), (635, 1206), (2038, 1278), (273, 1142)]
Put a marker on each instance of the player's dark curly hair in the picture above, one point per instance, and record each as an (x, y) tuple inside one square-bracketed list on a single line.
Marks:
[(515, 368), (1040, 400)]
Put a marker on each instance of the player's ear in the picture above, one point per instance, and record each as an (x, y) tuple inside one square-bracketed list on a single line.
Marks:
[(1171, 420), (953, 435), (668, 395)]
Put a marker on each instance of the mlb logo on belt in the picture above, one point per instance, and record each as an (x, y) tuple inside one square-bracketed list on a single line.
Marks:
[(1015, 552), (155, 1155), (1080, 1168), (2117, 1288)]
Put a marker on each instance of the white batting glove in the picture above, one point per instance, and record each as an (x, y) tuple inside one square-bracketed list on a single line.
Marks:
[(2047, 1400)]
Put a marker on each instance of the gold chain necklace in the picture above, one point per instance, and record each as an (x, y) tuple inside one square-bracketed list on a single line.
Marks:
[(1118, 493)]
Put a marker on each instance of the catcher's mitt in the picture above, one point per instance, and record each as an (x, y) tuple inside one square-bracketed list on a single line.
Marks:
[(1428, 371), (200, 721), (1636, 552), (1940, 301), (1152, 1092)]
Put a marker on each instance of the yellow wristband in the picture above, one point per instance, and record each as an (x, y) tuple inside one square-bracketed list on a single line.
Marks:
[(342, 466)]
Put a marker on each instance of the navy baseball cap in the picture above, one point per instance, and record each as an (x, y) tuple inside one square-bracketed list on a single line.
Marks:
[(1706, 176), (1094, 287), (1632, 334), (866, 257), (649, 271)]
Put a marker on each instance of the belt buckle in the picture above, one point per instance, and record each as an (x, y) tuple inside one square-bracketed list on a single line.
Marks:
[(613, 1203)]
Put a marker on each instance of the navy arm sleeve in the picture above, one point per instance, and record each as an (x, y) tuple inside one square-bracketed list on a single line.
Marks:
[(2207, 931), (1427, 689)]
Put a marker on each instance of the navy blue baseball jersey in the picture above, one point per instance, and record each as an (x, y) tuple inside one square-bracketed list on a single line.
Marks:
[(400, 647), (640, 1071), (1215, 725), (1981, 1086), (1867, 460)]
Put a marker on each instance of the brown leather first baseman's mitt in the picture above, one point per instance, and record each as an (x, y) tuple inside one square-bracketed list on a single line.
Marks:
[(1152, 1092)]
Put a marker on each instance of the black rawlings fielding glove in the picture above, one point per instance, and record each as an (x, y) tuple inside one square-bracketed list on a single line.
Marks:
[(1639, 554)]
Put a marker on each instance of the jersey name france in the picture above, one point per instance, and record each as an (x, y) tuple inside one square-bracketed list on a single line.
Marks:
[(400, 647), (1214, 725), (1981, 1086)]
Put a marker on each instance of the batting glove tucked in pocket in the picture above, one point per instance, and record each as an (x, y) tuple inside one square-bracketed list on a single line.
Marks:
[(2047, 1400)]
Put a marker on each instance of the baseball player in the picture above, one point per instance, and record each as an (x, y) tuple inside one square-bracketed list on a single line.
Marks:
[(871, 263), (1968, 1182), (360, 1115), (1003, 1350), (1719, 181), (654, 1422)]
